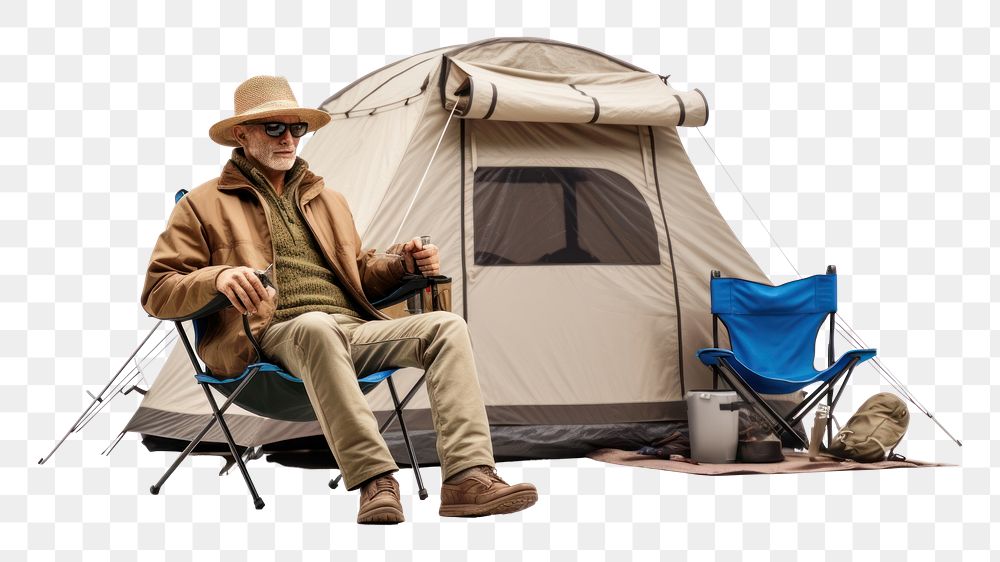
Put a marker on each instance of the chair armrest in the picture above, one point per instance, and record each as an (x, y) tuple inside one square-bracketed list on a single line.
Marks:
[(412, 284), (710, 355), (219, 302), (861, 354)]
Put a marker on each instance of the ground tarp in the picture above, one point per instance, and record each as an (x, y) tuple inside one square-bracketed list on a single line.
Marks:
[(794, 463)]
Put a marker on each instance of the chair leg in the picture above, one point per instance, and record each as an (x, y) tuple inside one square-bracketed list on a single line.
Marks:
[(257, 501), (217, 416), (813, 399), (406, 439), (810, 402), (758, 401), (829, 406), (381, 429), (155, 488), (249, 454), (397, 413), (827, 389)]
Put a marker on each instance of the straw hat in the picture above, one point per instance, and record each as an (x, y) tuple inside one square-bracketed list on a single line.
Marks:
[(260, 97)]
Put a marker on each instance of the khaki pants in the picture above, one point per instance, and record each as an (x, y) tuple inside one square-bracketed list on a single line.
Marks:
[(330, 351)]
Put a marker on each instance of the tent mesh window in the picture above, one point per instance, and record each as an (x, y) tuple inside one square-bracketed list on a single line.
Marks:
[(560, 215)]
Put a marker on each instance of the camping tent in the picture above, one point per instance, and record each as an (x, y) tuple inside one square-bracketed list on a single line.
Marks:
[(578, 234)]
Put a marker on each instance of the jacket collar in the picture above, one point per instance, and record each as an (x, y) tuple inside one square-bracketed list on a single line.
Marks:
[(233, 177)]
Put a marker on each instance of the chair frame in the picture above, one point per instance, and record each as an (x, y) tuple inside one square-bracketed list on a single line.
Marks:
[(749, 395), (413, 284)]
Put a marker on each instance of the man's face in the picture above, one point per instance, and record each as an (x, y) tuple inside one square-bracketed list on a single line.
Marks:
[(276, 153)]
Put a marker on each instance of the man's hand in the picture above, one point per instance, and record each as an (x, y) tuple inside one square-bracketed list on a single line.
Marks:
[(244, 289), (420, 258)]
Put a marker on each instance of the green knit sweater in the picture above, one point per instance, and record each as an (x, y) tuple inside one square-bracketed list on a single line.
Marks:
[(301, 275)]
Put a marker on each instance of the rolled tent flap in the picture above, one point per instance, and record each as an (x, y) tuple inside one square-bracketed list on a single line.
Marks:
[(485, 91)]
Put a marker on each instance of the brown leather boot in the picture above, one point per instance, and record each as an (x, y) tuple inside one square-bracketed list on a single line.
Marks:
[(484, 493), (380, 502)]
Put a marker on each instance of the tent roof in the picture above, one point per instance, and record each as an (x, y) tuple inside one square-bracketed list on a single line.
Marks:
[(408, 78), (392, 83)]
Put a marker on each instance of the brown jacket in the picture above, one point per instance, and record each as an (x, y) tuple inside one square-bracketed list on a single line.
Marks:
[(222, 224)]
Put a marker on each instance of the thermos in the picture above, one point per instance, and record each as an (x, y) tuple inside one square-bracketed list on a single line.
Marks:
[(819, 427)]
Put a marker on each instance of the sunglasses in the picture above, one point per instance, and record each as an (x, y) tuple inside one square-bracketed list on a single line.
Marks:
[(276, 128)]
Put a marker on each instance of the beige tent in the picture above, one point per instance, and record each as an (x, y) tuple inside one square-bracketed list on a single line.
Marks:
[(579, 237)]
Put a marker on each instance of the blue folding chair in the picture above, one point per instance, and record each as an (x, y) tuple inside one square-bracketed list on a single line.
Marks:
[(266, 389), (772, 332)]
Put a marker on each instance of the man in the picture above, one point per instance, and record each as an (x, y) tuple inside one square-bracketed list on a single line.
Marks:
[(268, 208)]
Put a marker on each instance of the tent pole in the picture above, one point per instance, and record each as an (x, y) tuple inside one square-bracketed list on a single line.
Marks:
[(97, 399), (134, 372), (114, 443)]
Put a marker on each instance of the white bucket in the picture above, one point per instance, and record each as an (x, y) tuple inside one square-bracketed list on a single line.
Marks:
[(714, 431)]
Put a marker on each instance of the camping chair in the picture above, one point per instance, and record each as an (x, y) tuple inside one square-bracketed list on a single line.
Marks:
[(772, 331), (266, 389)]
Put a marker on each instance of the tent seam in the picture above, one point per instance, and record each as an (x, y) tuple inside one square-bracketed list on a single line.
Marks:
[(673, 267), (361, 80), (386, 81)]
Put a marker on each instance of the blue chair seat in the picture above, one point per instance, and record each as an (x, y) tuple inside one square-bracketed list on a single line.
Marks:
[(781, 383), (264, 368), (275, 393), (372, 379)]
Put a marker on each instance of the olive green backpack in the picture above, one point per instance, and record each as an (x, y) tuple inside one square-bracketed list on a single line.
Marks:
[(874, 431)]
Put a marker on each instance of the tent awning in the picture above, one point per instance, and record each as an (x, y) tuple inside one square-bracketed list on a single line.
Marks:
[(485, 91)]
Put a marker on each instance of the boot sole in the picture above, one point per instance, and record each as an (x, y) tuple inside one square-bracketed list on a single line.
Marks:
[(508, 504), (386, 515)]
